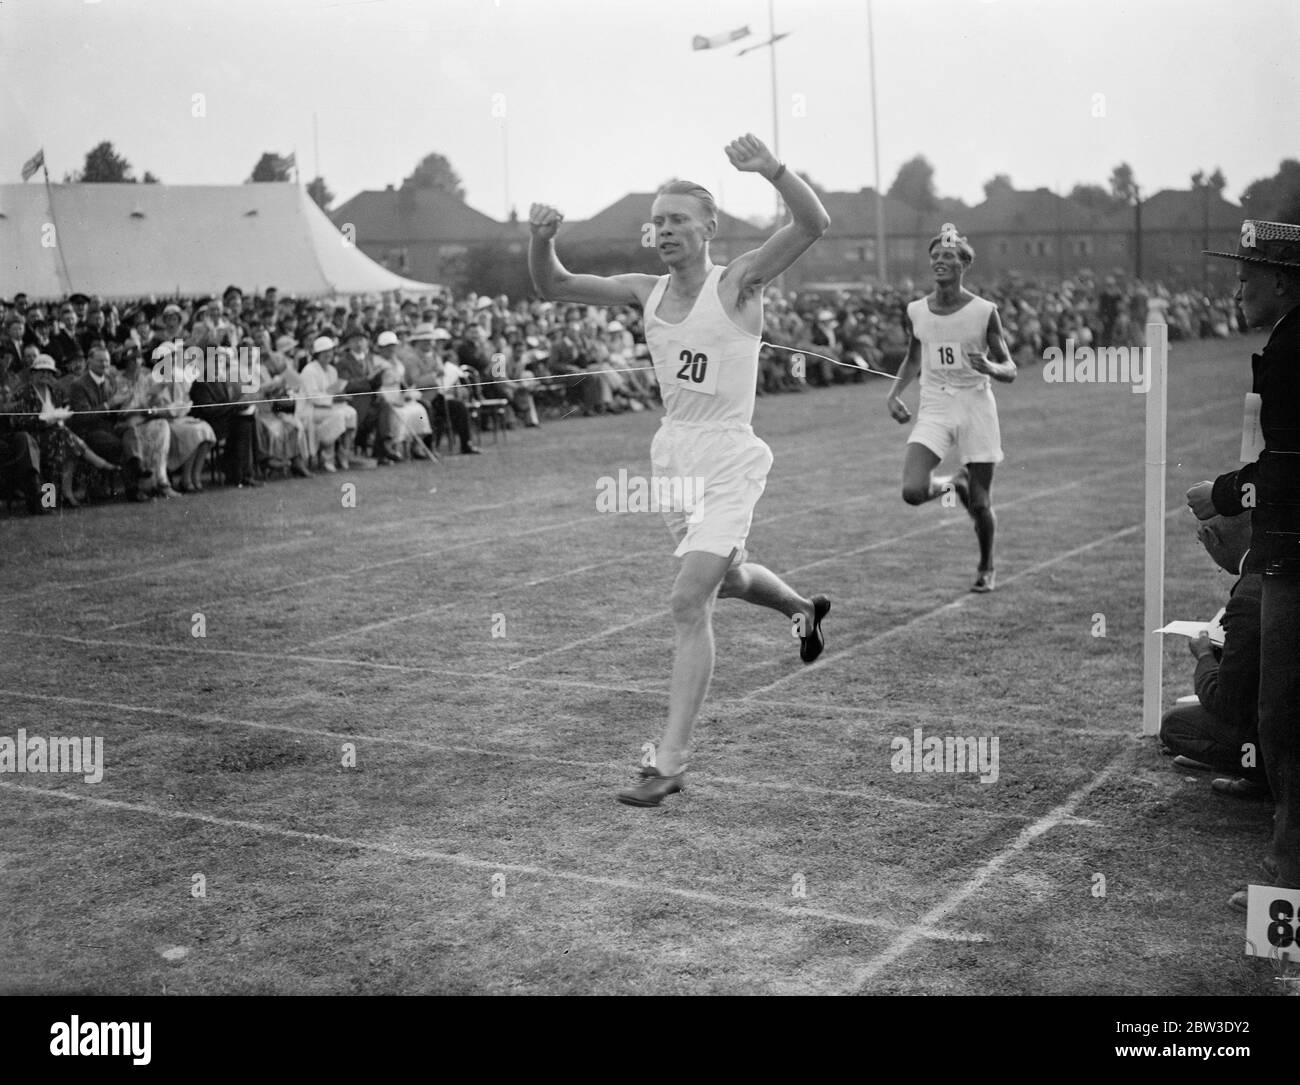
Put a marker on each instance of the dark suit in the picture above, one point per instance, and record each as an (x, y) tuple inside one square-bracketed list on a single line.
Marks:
[(64, 349), (96, 429), (218, 404), (1272, 485), (1227, 685)]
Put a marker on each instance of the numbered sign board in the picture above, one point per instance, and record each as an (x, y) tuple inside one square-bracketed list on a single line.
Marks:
[(1273, 923)]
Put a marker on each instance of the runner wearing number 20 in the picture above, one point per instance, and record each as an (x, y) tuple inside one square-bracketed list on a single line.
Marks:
[(952, 332), (702, 324)]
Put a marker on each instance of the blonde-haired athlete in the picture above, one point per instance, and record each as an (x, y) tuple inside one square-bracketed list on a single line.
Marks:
[(703, 323)]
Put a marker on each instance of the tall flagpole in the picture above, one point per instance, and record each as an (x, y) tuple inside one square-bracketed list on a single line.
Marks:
[(776, 127), (58, 243), (875, 149)]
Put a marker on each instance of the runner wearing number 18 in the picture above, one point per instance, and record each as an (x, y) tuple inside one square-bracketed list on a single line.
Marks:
[(702, 323), (951, 329)]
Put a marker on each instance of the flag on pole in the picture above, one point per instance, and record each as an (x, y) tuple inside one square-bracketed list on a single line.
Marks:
[(33, 164), (719, 40)]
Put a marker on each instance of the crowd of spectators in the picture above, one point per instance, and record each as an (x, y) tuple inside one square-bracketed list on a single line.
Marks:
[(99, 398)]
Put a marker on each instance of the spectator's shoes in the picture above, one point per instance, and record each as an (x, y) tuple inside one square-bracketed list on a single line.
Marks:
[(471, 450), (1184, 762), (250, 483), (983, 582), (1241, 787), (810, 646), (652, 790)]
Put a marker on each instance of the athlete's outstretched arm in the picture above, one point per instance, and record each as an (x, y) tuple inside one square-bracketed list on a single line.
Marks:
[(809, 220), (1001, 367), (556, 283), (907, 373)]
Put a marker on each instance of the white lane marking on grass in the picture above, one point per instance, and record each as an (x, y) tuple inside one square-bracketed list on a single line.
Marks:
[(889, 713), (925, 529), (245, 552), (954, 604), (972, 885), (481, 751), (345, 574), (468, 862)]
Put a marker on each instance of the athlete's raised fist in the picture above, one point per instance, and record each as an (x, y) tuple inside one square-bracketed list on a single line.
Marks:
[(749, 154), (544, 220)]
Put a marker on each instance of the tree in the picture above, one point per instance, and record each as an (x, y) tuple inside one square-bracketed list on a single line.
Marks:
[(104, 166), (1276, 198), (1123, 185), (1094, 198), (319, 191), (1216, 182), (271, 167), (148, 178), (914, 184), (434, 171), (998, 183)]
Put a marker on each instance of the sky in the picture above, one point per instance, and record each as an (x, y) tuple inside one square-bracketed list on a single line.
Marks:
[(577, 102)]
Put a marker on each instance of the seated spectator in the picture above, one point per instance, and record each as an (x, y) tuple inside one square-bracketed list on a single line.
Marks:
[(141, 421), (20, 451), (44, 406), (280, 438), (334, 422), (216, 399), (1212, 732), (94, 420), (432, 375), (191, 438), (361, 381), (404, 420)]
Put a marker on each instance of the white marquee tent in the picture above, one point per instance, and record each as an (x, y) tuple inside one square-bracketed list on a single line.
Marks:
[(137, 240)]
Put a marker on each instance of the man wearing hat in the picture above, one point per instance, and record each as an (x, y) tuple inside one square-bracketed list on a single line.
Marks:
[(1268, 295), (361, 378), (429, 374)]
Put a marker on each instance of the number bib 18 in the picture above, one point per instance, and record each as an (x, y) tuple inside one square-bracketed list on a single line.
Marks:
[(696, 372), (946, 355)]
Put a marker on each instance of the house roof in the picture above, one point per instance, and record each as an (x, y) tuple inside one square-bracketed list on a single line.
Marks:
[(1181, 209), (853, 214), (398, 215), (133, 240), (624, 218), (1035, 211)]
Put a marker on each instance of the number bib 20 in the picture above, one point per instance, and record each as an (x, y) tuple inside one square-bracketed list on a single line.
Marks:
[(946, 356), (696, 372)]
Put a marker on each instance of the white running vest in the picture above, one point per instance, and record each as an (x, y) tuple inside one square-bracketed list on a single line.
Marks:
[(945, 341), (706, 366)]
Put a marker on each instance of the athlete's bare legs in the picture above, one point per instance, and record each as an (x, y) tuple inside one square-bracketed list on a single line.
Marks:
[(919, 483), (702, 579), (920, 486), (981, 511)]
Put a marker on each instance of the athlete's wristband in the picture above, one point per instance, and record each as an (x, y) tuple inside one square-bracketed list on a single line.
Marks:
[(777, 175)]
